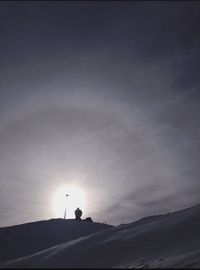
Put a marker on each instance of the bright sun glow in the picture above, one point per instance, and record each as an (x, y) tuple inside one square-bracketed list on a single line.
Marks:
[(75, 199)]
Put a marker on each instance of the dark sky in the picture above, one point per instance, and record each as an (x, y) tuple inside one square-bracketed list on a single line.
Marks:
[(103, 96)]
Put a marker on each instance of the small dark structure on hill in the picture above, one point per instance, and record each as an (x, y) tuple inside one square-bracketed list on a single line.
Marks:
[(88, 219)]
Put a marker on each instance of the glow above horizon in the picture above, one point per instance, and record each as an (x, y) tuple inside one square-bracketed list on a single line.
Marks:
[(76, 198)]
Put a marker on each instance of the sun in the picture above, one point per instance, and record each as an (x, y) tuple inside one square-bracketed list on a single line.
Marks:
[(76, 198)]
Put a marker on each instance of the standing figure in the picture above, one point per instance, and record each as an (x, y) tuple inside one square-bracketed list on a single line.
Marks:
[(78, 214)]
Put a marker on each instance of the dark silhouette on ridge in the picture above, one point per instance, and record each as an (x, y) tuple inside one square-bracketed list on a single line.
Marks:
[(78, 213)]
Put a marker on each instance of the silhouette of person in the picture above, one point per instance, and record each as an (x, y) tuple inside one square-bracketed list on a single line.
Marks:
[(78, 214)]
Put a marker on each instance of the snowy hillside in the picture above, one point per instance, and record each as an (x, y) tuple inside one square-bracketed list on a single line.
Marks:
[(25, 239), (171, 240)]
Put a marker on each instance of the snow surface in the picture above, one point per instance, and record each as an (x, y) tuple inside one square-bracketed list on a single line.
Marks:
[(164, 241), (25, 239)]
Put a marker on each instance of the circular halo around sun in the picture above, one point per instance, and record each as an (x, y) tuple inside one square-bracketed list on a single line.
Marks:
[(60, 202)]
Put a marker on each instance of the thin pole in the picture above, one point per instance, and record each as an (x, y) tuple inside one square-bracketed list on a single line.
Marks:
[(65, 207)]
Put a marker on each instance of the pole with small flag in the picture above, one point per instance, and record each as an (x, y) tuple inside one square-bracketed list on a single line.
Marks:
[(67, 195)]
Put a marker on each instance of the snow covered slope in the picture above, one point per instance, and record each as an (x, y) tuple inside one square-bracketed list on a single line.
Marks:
[(171, 240), (25, 239)]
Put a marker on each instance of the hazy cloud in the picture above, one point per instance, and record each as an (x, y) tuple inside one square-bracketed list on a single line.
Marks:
[(79, 103)]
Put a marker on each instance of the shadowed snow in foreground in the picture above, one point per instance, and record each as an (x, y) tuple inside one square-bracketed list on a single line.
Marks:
[(171, 240), (25, 239)]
